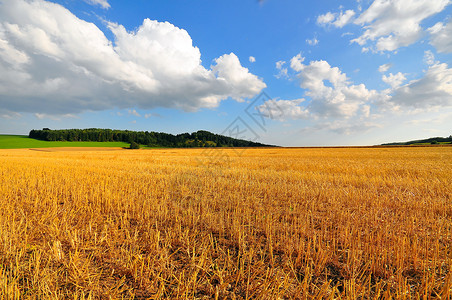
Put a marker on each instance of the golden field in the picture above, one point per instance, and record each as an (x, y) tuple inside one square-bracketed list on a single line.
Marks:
[(333, 223)]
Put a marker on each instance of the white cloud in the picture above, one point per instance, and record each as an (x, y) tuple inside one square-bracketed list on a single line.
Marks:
[(384, 68), (347, 128), (441, 37), (147, 116), (11, 55), (103, 3), (429, 58), (435, 29), (312, 42), (52, 62), (282, 71), (133, 112), (344, 18), (296, 63), (359, 5), (40, 116), (314, 75), (9, 115), (392, 24), (394, 80), (284, 109), (331, 93), (337, 20), (333, 104), (252, 59), (280, 64), (235, 79), (326, 18), (53, 117), (340, 127), (433, 90)]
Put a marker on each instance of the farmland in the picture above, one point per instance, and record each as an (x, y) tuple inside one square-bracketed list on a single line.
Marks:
[(271, 223), (23, 141)]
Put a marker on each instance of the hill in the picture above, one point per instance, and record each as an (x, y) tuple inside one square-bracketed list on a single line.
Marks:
[(200, 138), (428, 141)]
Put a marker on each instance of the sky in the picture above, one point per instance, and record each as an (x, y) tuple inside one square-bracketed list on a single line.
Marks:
[(288, 73)]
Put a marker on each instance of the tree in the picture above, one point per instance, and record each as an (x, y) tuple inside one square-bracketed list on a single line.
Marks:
[(134, 145)]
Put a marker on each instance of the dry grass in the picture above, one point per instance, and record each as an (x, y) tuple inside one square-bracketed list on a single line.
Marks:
[(271, 224)]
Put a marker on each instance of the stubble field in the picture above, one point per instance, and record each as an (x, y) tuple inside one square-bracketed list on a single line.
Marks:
[(344, 223)]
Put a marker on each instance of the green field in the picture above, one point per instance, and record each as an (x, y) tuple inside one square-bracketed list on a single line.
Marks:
[(426, 144), (23, 141)]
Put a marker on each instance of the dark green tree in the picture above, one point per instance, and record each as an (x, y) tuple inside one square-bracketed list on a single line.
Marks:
[(134, 145)]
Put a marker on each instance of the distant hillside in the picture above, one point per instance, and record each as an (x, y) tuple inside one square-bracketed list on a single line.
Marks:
[(149, 138), (432, 141)]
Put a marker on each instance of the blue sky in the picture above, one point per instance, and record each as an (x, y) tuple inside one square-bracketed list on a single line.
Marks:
[(321, 73)]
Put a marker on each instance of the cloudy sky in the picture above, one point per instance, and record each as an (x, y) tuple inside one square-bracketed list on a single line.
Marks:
[(291, 73)]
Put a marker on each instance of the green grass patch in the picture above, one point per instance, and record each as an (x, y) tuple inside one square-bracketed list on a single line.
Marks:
[(23, 141), (427, 144)]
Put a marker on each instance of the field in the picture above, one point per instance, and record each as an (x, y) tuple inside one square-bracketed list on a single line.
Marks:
[(23, 141), (345, 223)]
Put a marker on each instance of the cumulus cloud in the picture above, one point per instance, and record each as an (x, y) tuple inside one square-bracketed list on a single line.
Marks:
[(103, 3), (441, 37), (282, 70), (392, 24), (52, 62), (394, 80), (326, 18), (337, 20), (252, 59), (429, 58), (284, 109), (433, 90), (344, 18), (296, 62), (333, 103), (384, 68), (235, 79), (280, 64), (331, 93)]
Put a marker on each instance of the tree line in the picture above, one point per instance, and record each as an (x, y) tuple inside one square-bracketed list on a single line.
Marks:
[(200, 138), (433, 140)]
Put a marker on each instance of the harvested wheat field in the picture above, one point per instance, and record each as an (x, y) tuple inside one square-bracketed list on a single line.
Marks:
[(345, 223)]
